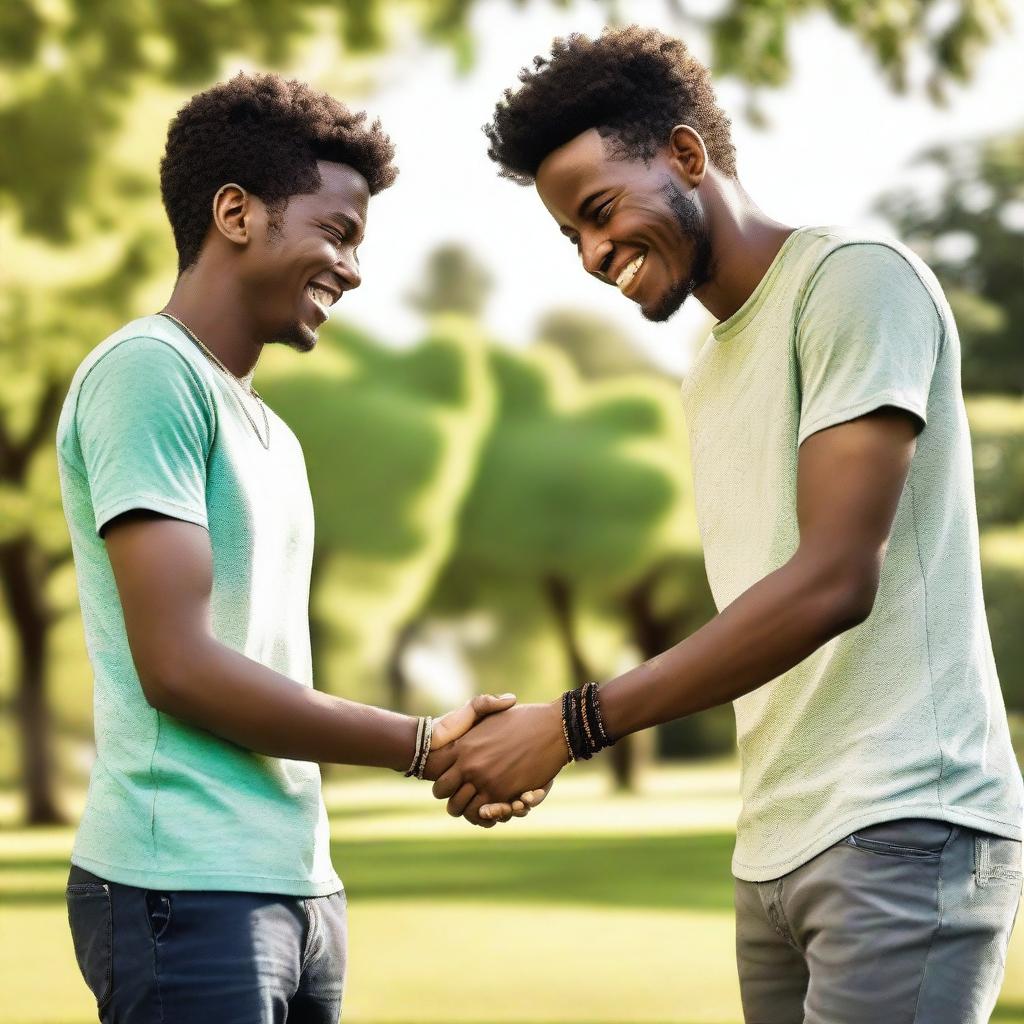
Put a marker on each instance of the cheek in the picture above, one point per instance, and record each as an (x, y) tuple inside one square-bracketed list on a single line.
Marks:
[(649, 223)]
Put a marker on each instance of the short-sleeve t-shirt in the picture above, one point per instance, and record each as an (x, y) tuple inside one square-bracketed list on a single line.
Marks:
[(150, 423), (901, 716)]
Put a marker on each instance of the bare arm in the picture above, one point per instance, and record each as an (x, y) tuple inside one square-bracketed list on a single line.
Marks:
[(849, 482), (850, 479), (164, 573)]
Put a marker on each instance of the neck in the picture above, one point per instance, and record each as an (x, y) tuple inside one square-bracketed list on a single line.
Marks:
[(212, 307), (744, 241)]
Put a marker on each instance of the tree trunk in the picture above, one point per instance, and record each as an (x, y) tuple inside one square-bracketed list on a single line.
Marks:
[(23, 578), (621, 757), (651, 635)]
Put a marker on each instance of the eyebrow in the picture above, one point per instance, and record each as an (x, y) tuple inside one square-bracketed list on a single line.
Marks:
[(351, 224), (584, 207), (583, 210)]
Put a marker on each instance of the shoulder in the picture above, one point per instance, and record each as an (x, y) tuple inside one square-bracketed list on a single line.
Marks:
[(864, 276), (143, 362)]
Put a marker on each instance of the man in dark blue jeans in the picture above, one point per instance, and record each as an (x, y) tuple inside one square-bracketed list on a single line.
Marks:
[(202, 887)]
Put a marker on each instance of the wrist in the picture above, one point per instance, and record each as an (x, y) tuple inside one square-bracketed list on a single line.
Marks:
[(405, 748), (583, 729), (559, 732)]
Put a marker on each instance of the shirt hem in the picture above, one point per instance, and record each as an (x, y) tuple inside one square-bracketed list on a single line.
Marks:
[(150, 504), (218, 881), (954, 815), (851, 412)]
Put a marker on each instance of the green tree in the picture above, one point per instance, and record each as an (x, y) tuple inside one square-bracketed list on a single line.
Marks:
[(392, 440), (573, 497), (595, 346), (972, 236), (455, 281), (87, 87)]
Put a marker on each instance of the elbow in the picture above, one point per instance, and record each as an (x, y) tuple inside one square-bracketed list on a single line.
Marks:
[(165, 682), (841, 596), (851, 600), (158, 689)]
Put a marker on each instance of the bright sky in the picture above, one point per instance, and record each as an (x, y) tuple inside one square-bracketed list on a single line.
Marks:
[(837, 139)]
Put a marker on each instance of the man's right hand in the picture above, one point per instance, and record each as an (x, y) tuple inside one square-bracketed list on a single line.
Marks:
[(456, 724)]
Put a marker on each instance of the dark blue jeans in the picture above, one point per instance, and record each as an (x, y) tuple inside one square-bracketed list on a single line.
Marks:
[(152, 957)]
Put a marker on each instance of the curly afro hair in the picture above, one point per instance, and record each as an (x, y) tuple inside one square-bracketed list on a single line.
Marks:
[(265, 133), (632, 84)]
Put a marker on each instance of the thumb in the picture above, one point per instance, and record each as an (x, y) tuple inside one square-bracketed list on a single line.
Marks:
[(458, 722), (487, 704)]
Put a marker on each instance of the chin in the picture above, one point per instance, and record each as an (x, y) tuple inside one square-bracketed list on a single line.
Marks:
[(668, 305), (299, 336)]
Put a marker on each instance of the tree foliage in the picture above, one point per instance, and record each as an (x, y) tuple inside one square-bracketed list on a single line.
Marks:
[(971, 233), (70, 69), (391, 440), (595, 346), (86, 89)]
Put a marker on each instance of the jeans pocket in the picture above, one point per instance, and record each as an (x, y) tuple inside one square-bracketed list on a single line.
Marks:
[(92, 933), (158, 906), (997, 860), (909, 838)]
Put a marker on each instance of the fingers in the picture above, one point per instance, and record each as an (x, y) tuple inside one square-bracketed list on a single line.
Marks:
[(519, 808), (501, 812), (438, 763), (537, 796), (448, 783), (465, 795), (458, 722), (472, 811)]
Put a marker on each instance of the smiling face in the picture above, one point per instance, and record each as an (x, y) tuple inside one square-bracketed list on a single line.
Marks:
[(303, 259), (633, 224)]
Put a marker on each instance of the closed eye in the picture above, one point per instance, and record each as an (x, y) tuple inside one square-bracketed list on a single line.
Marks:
[(335, 235), (603, 212)]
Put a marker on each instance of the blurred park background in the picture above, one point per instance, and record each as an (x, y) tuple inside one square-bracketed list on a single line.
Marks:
[(495, 447)]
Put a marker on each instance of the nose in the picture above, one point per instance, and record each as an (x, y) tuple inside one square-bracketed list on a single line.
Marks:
[(596, 255), (348, 271)]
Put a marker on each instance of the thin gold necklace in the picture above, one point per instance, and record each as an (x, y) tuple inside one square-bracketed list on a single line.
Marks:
[(255, 394)]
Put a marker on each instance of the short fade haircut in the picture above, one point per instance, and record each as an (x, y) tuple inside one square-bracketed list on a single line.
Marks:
[(632, 84), (265, 133)]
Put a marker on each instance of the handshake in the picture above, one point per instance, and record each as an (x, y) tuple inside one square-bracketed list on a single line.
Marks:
[(493, 760)]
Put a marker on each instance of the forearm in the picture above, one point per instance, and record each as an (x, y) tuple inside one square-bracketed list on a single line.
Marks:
[(765, 632), (218, 689)]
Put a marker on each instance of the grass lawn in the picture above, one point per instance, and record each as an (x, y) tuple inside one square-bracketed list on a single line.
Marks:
[(595, 910)]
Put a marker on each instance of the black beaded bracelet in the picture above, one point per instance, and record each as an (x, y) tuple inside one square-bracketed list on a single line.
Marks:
[(582, 724), (579, 745)]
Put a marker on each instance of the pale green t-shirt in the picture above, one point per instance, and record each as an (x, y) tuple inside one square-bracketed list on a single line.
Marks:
[(901, 716), (151, 423)]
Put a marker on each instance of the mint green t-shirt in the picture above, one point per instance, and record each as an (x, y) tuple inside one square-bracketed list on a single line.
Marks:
[(151, 423), (901, 716)]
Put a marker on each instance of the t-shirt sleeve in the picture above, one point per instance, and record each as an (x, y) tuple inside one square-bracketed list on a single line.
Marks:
[(145, 425), (868, 335)]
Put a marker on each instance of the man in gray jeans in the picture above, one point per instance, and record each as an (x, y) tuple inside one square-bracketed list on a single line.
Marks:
[(878, 851)]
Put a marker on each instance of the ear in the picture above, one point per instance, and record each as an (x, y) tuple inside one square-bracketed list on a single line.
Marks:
[(233, 212), (688, 154)]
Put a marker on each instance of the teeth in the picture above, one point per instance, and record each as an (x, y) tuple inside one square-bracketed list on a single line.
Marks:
[(629, 272), (322, 297)]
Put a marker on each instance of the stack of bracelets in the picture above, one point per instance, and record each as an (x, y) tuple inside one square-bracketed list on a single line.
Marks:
[(424, 732), (582, 724)]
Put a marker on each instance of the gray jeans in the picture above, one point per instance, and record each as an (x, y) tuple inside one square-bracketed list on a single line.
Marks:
[(902, 922)]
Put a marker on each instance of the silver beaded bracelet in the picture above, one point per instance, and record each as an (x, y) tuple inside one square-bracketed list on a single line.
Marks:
[(421, 751), (420, 729)]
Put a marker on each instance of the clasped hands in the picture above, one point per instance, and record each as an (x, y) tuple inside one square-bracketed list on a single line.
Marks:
[(493, 759)]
